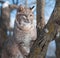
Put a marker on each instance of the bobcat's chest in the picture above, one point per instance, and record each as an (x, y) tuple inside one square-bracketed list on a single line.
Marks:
[(22, 36)]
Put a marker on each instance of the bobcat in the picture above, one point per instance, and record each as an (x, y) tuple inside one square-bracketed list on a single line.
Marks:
[(24, 34)]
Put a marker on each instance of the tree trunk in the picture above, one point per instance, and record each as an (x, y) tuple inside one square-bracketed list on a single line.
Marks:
[(40, 13), (58, 39), (2, 30), (5, 20), (48, 33), (5, 23)]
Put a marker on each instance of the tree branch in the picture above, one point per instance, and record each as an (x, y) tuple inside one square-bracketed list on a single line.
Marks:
[(39, 47)]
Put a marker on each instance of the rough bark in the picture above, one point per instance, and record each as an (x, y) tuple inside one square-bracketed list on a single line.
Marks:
[(40, 13), (2, 31), (58, 39), (39, 47)]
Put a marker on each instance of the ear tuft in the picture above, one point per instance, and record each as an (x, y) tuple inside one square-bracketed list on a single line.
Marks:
[(20, 8), (32, 8)]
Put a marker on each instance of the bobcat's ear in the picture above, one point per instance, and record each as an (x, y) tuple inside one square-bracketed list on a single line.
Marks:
[(20, 8), (32, 8)]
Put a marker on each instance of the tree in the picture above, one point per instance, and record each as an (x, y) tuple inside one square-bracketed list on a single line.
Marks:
[(5, 18), (5, 21), (57, 9), (48, 33), (40, 13), (1, 31)]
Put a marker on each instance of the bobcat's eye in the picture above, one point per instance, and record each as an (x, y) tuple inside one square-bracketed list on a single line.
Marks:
[(30, 15)]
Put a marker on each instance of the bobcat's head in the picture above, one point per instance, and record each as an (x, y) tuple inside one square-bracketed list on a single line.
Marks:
[(25, 17)]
